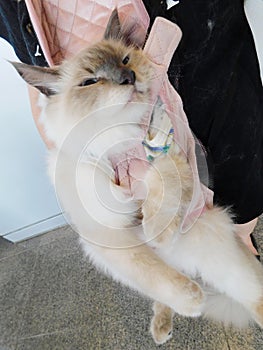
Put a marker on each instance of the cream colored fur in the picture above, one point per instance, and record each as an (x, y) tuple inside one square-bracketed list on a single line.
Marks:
[(89, 121)]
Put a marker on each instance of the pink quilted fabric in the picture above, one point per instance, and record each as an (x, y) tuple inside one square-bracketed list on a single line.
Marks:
[(160, 46), (64, 27)]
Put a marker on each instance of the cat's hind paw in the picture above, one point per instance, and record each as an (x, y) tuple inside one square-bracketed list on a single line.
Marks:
[(162, 323), (258, 313)]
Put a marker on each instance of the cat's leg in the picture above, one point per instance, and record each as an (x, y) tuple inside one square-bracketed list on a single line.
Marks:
[(210, 248), (140, 268), (257, 312), (161, 323), (223, 261), (104, 218)]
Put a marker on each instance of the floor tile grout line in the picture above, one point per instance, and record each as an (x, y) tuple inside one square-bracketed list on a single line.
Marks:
[(63, 331), (27, 297), (226, 337), (60, 331), (15, 254)]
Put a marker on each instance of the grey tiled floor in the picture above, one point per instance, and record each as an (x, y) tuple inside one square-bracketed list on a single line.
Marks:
[(52, 298)]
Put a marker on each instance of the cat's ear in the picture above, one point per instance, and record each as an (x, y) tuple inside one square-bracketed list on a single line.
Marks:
[(44, 79), (129, 33), (113, 29)]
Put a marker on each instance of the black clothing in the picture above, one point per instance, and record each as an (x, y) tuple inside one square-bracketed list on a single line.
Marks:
[(16, 28), (215, 70)]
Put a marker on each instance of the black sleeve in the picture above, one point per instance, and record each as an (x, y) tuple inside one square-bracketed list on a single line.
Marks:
[(16, 28)]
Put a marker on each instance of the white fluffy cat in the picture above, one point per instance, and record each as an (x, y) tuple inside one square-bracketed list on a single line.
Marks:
[(94, 108)]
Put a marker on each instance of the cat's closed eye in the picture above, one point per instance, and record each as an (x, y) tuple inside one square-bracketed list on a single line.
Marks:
[(126, 60), (87, 82)]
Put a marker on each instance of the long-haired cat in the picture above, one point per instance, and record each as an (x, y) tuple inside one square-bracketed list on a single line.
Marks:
[(94, 109)]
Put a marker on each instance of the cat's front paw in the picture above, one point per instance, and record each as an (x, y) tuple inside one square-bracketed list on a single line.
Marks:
[(190, 299)]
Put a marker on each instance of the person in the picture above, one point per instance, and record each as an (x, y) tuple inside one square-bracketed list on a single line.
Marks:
[(215, 70)]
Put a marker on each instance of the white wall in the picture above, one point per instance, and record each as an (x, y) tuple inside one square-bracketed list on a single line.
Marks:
[(28, 203), (254, 12)]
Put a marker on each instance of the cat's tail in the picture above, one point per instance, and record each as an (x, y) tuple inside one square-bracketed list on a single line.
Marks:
[(221, 308)]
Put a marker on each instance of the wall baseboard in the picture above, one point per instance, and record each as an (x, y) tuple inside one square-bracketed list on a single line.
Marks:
[(36, 229)]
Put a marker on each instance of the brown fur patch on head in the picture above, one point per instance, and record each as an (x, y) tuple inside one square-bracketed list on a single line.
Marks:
[(105, 62)]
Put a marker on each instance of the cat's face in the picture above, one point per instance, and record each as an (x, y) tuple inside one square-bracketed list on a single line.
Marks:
[(105, 74), (109, 73)]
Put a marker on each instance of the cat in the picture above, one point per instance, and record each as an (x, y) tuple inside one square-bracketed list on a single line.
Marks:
[(94, 107)]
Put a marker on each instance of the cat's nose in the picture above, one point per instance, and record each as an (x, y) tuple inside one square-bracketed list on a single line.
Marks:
[(127, 77)]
